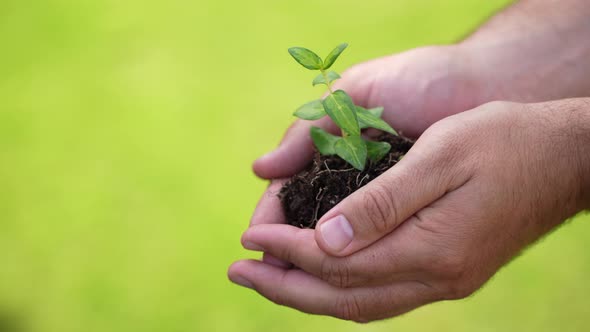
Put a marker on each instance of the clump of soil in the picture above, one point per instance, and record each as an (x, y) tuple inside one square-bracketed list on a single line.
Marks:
[(329, 179)]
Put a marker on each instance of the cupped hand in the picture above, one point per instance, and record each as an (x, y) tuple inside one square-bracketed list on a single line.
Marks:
[(416, 89), (475, 189)]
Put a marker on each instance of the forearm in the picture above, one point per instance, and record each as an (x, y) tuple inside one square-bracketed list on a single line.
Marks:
[(580, 131), (538, 48), (565, 124), (535, 18)]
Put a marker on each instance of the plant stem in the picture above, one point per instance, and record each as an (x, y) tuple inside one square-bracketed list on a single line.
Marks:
[(328, 84)]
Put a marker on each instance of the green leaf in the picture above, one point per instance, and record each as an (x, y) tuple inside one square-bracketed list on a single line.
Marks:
[(311, 111), (306, 58), (353, 150), (377, 111), (342, 111), (320, 79), (377, 150), (331, 58), (324, 141), (368, 120)]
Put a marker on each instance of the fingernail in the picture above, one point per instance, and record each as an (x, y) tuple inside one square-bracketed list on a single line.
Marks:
[(252, 246), (337, 233), (242, 282)]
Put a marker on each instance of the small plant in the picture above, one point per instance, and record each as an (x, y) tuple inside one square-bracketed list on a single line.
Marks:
[(338, 105)]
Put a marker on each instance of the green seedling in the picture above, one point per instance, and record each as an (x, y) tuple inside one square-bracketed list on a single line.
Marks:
[(338, 105)]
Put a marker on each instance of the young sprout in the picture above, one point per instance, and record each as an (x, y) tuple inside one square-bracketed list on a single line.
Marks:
[(338, 105)]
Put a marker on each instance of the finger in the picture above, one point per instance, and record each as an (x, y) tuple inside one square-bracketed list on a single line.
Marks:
[(269, 209), (425, 174), (397, 257), (295, 151), (272, 260), (302, 291)]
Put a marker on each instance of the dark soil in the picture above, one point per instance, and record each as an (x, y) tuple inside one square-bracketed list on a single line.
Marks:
[(329, 179)]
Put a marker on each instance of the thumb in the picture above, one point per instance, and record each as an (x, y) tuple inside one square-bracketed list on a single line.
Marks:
[(425, 174)]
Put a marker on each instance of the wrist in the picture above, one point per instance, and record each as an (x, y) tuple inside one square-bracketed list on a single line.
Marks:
[(578, 118), (564, 127), (534, 54), (528, 73)]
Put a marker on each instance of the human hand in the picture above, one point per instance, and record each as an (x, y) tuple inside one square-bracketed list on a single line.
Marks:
[(416, 88), (475, 189)]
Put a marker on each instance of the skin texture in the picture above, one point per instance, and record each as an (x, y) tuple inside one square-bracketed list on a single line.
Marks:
[(481, 183)]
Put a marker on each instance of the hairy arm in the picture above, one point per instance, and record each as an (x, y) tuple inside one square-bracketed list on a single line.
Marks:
[(580, 129), (534, 50)]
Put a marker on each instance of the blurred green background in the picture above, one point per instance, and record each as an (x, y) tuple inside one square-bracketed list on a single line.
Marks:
[(127, 129)]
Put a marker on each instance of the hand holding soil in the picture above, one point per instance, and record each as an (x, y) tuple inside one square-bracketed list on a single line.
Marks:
[(438, 224), (474, 190)]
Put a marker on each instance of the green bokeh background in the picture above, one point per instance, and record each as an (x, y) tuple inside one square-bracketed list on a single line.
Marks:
[(127, 129)]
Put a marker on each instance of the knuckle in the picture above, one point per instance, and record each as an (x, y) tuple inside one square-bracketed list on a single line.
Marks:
[(453, 142), (493, 104), (498, 104), (450, 267), (348, 307), (448, 136), (453, 273), (457, 290), (336, 273), (277, 298), (286, 255), (450, 144), (289, 252), (380, 209), (442, 128), (276, 294)]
